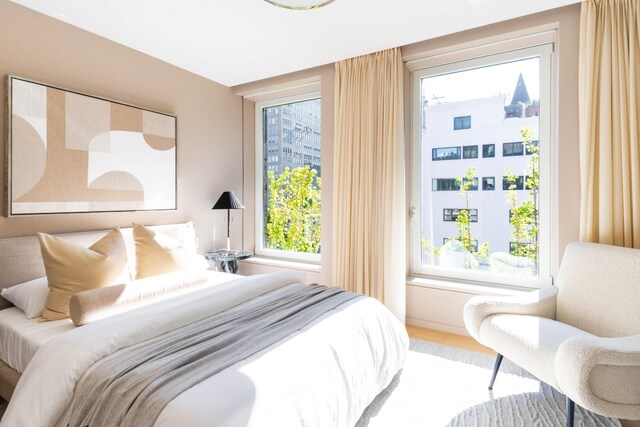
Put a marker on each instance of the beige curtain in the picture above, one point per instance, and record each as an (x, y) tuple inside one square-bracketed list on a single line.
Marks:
[(609, 79), (369, 193)]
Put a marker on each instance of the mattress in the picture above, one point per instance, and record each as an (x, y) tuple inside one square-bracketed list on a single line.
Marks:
[(20, 338)]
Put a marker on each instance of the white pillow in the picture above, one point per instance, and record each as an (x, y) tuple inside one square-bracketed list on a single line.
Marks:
[(29, 297)]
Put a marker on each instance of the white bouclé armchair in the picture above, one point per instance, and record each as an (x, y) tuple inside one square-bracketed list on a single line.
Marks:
[(581, 336)]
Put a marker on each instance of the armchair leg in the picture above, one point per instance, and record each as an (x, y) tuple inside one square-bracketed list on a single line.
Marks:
[(570, 412), (496, 367)]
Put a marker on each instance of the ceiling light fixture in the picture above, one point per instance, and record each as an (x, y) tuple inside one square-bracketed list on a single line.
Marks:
[(299, 4)]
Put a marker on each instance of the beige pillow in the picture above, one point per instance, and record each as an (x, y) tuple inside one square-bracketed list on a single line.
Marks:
[(160, 253), (94, 304), (73, 268)]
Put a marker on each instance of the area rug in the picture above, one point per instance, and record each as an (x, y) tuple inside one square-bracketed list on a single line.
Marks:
[(443, 386)]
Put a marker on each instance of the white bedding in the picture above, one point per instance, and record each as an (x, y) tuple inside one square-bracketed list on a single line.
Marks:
[(324, 375), (20, 337)]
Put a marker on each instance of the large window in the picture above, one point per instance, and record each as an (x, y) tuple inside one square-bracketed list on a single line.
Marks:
[(289, 178), (508, 94)]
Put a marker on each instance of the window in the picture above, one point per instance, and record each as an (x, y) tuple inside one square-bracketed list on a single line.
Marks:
[(478, 86), (470, 152), (516, 184), (288, 196), (446, 153), (462, 122), (488, 150), (488, 183), (449, 215), (451, 184), (512, 149), (518, 249)]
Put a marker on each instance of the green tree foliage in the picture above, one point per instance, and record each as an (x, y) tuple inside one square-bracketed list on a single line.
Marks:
[(431, 252), (463, 221), (293, 210), (524, 216)]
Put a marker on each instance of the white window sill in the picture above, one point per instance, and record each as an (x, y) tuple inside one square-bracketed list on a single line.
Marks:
[(465, 287), (283, 263)]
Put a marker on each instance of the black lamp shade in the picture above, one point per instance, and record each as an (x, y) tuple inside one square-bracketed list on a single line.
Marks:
[(228, 200)]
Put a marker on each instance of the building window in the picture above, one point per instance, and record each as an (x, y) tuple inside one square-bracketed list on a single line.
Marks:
[(443, 191), (451, 184), (470, 152), (516, 184), (512, 149), (445, 153), (519, 249), (462, 122), (488, 150), (450, 215), (488, 183), (288, 221)]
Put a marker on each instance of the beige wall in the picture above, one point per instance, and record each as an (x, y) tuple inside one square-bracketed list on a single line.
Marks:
[(209, 119)]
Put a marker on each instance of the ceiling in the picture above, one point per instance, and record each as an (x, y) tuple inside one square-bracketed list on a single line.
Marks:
[(238, 41)]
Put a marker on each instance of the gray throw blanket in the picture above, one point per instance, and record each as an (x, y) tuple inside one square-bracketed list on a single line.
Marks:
[(132, 386)]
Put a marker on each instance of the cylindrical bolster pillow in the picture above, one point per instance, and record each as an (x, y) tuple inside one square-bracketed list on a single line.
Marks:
[(95, 304)]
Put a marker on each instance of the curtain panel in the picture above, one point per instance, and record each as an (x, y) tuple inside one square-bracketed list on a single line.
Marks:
[(369, 189), (609, 91)]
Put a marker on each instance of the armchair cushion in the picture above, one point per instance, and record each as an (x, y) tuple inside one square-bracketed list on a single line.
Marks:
[(600, 289), (608, 380), (529, 341), (539, 303)]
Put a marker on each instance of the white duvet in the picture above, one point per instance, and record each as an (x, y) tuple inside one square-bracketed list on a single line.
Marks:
[(323, 375)]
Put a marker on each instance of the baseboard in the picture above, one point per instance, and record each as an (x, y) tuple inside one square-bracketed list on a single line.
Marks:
[(437, 326)]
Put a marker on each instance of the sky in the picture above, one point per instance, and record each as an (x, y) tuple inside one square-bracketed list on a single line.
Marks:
[(483, 82)]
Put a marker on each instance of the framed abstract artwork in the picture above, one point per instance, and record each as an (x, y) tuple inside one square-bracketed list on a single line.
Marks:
[(73, 153)]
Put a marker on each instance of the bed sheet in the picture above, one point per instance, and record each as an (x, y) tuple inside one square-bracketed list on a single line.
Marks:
[(20, 338)]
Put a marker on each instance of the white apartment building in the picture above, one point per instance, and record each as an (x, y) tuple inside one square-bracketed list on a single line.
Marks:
[(480, 133)]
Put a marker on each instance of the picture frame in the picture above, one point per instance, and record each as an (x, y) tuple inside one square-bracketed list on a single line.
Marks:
[(68, 152)]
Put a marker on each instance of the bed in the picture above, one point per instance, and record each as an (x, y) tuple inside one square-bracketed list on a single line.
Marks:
[(323, 373)]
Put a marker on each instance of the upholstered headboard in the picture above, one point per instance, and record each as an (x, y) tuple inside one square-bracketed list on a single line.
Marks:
[(21, 260)]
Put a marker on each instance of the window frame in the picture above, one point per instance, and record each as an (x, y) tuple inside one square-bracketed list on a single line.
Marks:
[(459, 122), (484, 55), (435, 158), (485, 180), (260, 178), (467, 148), (513, 153), (484, 151), (473, 214)]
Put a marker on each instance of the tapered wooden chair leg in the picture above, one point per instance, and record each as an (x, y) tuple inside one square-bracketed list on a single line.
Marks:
[(496, 367)]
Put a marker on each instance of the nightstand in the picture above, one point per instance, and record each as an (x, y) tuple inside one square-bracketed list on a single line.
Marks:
[(227, 260)]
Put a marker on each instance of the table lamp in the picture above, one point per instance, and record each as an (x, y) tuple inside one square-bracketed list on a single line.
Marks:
[(228, 200)]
